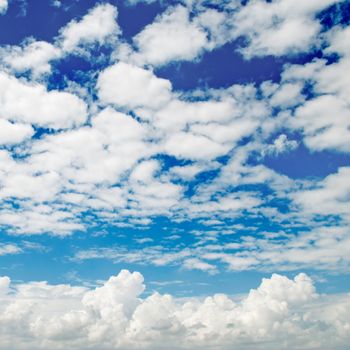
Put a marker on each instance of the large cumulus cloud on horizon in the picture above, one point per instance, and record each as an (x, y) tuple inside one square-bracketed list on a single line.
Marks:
[(281, 313)]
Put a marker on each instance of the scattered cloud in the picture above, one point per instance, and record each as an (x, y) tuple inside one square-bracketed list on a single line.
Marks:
[(171, 37), (31, 103), (128, 86), (97, 25), (278, 27)]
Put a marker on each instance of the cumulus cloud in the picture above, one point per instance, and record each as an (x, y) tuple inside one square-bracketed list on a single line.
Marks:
[(323, 119), (280, 145), (31, 103), (12, 133), (278, 27), (117, 315), (171, 37), (95, 27), (128, 86), (34, 56), (329, 196)]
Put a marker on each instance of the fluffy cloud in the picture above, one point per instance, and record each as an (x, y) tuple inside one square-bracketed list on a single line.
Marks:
[(129, 86), (171, 37), (325, 123), (116, 316), (11, 133), (327, 197), (278, 27), (323, 119), (95, 27), (280, 145), (189, 146), (31, 103), (34, 56)]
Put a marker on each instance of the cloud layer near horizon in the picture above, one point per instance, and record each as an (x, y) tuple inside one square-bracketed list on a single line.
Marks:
[(280, 314)]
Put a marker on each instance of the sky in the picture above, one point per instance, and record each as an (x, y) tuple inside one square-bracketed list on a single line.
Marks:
[(174, 172)]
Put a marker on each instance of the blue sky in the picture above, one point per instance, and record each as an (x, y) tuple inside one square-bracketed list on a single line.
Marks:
[(200, 146)]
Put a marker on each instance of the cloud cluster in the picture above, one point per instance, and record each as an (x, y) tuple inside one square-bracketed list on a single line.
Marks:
[(324, 118), (184, 32), (126, 147), (279, 27), (281, 313), (97, 27), (31, 103)]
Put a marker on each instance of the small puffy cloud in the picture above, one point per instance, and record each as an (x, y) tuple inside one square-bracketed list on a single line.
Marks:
[(129, 86), (330, 196), (324, 121), (3, 6), (202, 112), (34, 56), (171, 37), (31, 103), (323, 118), (196, 264), (278, 27), (95, 27), (190, 146), (280, 145), (284, 95), (13, 133)]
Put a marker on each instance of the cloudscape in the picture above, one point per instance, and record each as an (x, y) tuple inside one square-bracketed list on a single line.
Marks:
[(175, 174)]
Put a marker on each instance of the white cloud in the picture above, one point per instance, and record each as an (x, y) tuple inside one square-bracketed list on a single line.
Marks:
[(31, 103), (12, 133), (280, 145), (3, 6), (325, 123), (95, 27), (278, 27), (171, 37), (129, 86), (40, 219), (6, 249), (284, 95), (202, 112), (115, 315), (338, 38), (190, 146), (196, 264), (329, 196), (34, 56), (135, 2), (323, 119)]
